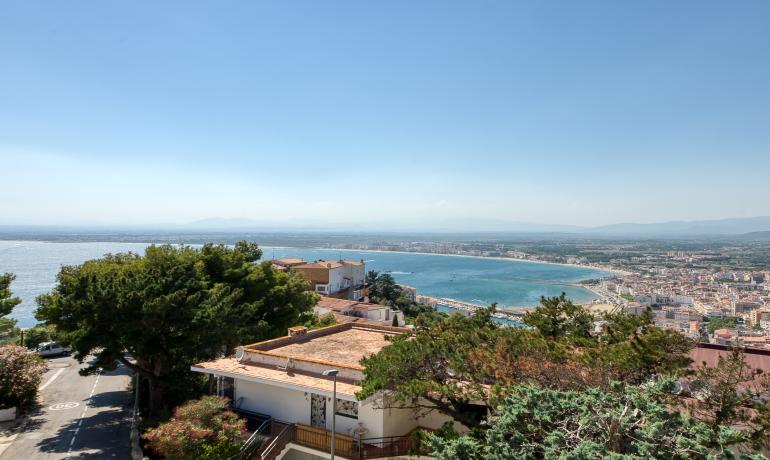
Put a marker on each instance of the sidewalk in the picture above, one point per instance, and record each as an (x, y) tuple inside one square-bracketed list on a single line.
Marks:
[(9, 431)]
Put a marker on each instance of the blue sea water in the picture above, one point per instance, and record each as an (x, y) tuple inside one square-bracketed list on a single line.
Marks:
[(471, 279)]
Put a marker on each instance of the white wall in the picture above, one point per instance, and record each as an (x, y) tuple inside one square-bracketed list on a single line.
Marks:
[(335, 279), (293, 406), (280, 403), (371, 418)]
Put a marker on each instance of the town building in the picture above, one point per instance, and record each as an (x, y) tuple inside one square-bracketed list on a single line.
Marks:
[(343, 279), (284, 385), (346, 311)]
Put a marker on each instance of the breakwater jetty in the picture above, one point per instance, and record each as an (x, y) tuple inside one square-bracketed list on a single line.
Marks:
[(503, 312)]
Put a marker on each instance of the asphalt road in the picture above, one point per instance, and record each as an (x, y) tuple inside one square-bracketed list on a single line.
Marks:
[(79, 417)]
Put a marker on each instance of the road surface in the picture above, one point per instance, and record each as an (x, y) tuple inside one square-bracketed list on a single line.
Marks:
[(78, 418)]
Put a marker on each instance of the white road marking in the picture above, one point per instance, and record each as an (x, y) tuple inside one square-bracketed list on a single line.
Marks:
[(64, 406), (80, 421), (53, 377)]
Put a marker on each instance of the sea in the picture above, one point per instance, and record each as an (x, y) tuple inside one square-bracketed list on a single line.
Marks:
[(479, 280)]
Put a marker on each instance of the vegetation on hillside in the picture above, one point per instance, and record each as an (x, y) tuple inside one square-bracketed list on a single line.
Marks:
[(159, 313), (384, 290), (560, 386), (720, 323), (199, 430), (8, 330), (20, 374)]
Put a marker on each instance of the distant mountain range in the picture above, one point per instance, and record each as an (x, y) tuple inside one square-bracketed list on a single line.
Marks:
[(733, 226), (756, 228)]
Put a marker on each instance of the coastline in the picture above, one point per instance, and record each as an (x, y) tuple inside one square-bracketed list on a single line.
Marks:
[(512, 259), (266, 249)]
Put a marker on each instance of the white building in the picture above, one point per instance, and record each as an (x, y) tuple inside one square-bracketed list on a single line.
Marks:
[(345, 310), (342, 279), (281, 381)]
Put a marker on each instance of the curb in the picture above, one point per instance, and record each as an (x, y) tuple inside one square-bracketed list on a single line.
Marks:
[(136, 444)]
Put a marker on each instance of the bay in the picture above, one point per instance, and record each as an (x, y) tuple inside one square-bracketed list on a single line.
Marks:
[(471, 279)]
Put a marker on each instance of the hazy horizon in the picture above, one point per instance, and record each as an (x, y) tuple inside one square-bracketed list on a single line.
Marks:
[(401, 114), (717, 227)]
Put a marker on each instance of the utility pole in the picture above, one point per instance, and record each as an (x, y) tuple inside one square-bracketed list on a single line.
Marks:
[(333, 373)]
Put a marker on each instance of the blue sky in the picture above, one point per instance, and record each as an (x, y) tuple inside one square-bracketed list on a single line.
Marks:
[(339, 112)]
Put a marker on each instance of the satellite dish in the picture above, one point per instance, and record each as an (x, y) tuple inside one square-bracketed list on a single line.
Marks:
[(239, 354)]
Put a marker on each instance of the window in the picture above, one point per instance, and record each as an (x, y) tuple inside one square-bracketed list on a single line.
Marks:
[(347, 408)]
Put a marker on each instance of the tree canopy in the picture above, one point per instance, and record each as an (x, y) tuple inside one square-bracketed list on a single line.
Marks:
[(433, 367), (458, 364), (7, 303), (159, 313), (631, 422), (7, 300), (558, 317), (384, 290), (200, 430)]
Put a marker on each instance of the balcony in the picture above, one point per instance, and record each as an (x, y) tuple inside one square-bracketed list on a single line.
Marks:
[(282, 434)]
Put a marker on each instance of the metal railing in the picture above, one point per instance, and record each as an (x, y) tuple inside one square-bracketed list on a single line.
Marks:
[(253, 443), (274, 436), (391, 446)]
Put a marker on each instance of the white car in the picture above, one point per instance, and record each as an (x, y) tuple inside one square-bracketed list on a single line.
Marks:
[(46, 349)]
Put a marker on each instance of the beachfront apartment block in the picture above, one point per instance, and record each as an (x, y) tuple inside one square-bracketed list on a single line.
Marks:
[(344, 279), (281, 387)]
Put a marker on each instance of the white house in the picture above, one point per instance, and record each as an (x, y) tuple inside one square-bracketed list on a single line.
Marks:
[(341, 279), (345, 309), (283, 381)]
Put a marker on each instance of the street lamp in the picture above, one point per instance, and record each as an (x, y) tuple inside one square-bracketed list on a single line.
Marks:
[(333, 373)]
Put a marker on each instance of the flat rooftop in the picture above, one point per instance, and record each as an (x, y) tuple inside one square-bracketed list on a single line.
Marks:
[(230, 366), (344, 346)]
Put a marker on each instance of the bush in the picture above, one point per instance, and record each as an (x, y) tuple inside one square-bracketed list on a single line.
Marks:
[(34, 336), (20, 374), (201, 429)]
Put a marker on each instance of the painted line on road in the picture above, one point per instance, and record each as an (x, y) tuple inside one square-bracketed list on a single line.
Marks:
[(80, 420), (53, 377)]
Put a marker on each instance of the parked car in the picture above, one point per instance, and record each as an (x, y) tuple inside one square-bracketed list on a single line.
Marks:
[(46, 349)]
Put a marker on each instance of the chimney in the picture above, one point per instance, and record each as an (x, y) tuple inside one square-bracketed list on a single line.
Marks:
[(297, 331)]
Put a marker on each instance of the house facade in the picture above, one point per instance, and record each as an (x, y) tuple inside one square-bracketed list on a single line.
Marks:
[(283, 381), (349, 311), (342, 279)]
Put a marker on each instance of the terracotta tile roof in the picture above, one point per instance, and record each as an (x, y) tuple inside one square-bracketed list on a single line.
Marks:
[(290, 260), (345, 347), (319, 264), (232, 367), (357, 263), (340, 318), (344, 304)]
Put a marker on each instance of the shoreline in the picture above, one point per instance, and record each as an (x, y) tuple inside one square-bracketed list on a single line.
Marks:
[(265, 249), (512, 259)]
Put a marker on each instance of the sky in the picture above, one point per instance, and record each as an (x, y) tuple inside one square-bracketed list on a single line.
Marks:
[(583, 113)]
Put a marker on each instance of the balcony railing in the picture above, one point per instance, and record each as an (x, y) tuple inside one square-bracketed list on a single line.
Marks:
[(284, 434), (345, 446), (320, 439)]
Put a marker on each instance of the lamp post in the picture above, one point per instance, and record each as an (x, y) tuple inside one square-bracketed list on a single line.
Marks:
[(333, 373)]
